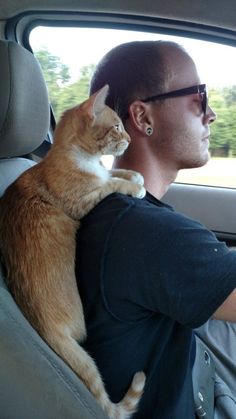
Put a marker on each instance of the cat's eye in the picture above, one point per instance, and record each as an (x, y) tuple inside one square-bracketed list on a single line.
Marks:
[(118, 127)]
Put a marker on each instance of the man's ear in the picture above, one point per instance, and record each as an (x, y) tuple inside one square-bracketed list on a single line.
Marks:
[(140, 115)]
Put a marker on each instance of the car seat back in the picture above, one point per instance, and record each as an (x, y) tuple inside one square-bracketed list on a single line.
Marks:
[(34, 382)]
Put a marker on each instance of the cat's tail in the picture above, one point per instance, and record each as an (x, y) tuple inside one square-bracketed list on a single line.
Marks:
[(84, 366), (128, 405)]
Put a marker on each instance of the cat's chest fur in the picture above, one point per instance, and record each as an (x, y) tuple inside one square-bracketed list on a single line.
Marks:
[(89, 164)]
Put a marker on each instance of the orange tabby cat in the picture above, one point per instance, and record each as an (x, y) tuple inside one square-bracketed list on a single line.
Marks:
[(39, 217)]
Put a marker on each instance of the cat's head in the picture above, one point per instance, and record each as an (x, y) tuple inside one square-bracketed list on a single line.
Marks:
[(94, 127)]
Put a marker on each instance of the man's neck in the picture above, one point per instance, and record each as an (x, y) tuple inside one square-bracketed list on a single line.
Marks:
[(157, 176)]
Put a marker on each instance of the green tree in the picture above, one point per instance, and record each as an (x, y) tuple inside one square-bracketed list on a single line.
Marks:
[(55, 73), (223, 131), (75, 93), (62, 93), (229, 94), (53, 69)]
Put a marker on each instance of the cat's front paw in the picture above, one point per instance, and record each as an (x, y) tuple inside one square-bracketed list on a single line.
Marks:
[(131, 175), (139, 192), (136, 177)]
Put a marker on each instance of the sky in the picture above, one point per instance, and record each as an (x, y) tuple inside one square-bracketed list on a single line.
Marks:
[(77, 47)]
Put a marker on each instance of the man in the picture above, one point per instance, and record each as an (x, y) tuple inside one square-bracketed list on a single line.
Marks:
[(148, 275)]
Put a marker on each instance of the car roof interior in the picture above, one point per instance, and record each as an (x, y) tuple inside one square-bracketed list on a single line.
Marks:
[(202, 12), (197, 12)]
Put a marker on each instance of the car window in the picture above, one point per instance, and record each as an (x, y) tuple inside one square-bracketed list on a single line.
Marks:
[(68, 57)]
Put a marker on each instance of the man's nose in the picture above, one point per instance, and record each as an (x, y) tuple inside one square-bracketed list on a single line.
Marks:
[(210, 115)]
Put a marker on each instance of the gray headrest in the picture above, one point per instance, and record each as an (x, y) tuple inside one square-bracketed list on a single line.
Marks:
[(24, 105)]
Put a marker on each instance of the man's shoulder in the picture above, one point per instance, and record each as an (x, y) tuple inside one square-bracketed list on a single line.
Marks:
[(147, 210), (122, 202)]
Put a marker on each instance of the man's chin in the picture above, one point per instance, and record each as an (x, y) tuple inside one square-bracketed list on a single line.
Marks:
[(197, 162), (208, 156), (205, 158)]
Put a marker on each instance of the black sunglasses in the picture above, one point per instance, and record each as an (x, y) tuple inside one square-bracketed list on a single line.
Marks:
[(199, 88)]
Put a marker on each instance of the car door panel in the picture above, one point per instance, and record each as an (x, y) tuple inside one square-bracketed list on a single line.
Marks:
[(214, 207)]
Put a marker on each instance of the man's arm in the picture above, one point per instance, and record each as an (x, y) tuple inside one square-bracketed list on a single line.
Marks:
[(227, 310)]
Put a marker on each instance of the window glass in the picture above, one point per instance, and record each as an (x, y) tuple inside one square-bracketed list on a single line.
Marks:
[(68, 57)]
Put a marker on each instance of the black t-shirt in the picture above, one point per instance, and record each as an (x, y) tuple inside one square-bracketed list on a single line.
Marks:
[(147, 275)]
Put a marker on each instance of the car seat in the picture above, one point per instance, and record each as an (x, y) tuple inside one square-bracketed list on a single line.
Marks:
[(34, 382)]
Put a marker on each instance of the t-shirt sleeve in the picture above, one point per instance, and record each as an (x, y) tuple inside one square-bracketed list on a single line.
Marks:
[(159, 261)]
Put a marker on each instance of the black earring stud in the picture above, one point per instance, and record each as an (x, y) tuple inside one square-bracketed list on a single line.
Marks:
[(149, 131)]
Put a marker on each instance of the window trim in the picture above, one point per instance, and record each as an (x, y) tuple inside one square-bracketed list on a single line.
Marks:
[(19, 27)]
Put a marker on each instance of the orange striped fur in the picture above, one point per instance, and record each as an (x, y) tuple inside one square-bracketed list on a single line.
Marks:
[(39, 216)]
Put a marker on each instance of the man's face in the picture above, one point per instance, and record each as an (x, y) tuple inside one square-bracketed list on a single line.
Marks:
[(182, 130)]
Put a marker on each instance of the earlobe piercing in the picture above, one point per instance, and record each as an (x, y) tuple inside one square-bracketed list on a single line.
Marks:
[(149, 131)]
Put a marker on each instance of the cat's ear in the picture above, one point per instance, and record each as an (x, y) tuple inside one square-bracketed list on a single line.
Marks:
[(97, 101)]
